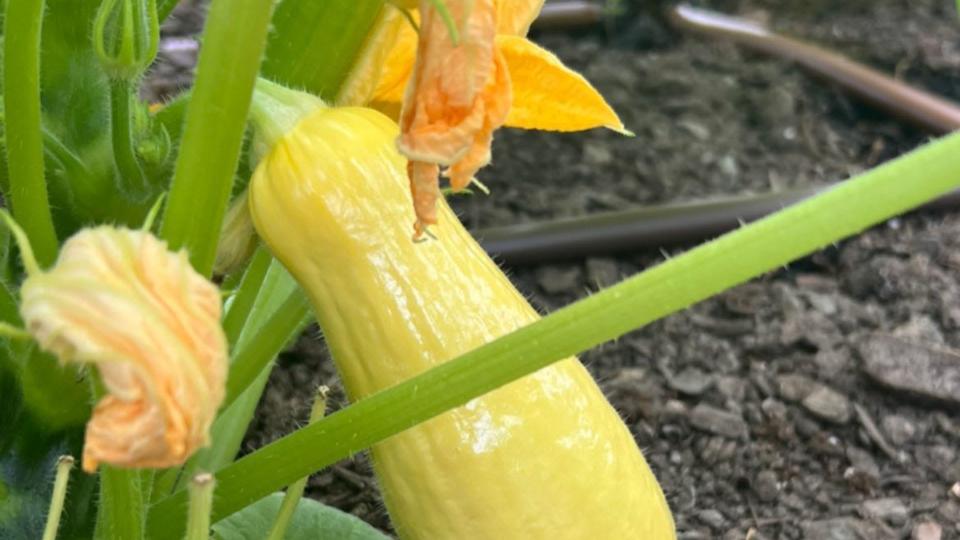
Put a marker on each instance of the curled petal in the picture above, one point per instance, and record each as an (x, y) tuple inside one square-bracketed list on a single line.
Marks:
[(495, 99), (443, 108), (425, 190), (119, 299)]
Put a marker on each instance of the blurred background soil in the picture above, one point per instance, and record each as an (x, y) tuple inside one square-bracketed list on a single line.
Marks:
[(821, 401)]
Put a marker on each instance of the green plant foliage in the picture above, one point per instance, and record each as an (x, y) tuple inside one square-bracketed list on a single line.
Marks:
[(312, 521), (314, 44), (74, 88), (55, 394)]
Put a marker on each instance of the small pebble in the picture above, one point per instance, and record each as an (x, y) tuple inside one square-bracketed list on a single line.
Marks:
[(845, 528), (717, 421), (912, 368), (899, 430), (602, 272), (712, 517), (766, 486), (889, 509), (795, 387), (928, 530), (691, 381), (828, 404), (863, 462), (774, 409), (555, 280), (731, 387)]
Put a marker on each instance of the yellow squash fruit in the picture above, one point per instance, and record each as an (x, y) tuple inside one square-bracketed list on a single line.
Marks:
[(545, 457)]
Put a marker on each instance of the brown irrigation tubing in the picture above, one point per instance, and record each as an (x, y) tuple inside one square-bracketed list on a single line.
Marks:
[(568, 14), (650, 227), (925, 110)]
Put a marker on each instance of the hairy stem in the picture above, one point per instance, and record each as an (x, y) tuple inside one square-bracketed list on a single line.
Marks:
[(64, 466), (233, 45), (21, 94)]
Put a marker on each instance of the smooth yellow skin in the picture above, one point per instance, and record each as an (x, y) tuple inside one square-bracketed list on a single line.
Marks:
[(545, 457)]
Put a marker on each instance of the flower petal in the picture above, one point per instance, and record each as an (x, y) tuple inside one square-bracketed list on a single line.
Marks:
[(550, 96), (442, 109), (514, 17), (496, 106), (383, 64), (398, 64), (458, 96), (119, 299)]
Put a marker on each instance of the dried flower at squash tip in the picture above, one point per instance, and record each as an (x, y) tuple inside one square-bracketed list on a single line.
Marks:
[(458, 96), (119, 299), (455, 95)]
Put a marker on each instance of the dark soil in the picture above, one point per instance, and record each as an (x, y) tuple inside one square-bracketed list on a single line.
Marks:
[(770, 411)]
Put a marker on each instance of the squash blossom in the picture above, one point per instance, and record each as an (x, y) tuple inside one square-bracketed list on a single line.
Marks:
[(460, 88), (544, 457), (117, 298)]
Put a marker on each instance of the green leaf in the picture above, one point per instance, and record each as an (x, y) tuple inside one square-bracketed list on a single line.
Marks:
[(312, 521)]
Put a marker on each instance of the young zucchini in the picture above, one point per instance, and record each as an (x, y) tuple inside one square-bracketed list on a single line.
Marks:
[(545, 457)]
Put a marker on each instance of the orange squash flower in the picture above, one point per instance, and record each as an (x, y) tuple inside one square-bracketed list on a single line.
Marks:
[(455, 95), (117, 298)]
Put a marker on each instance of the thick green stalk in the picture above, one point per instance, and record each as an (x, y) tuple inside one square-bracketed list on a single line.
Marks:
[(21, 94), (133, 182), (121, 509), (233, 45), (759, 247)]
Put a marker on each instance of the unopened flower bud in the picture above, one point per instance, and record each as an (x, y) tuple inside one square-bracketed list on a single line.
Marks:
[(126, 35)]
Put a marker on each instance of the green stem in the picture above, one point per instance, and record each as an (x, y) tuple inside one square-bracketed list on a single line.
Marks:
[(759, 247), (121, 509), (201, 499), (271, 338), (295, 490), (133, 182), (64, 465), (21, 95), (243, 300), (233, 45)]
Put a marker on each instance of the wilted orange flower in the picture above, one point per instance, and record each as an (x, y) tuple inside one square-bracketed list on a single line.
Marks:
[(458, 94), (119, 299)]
